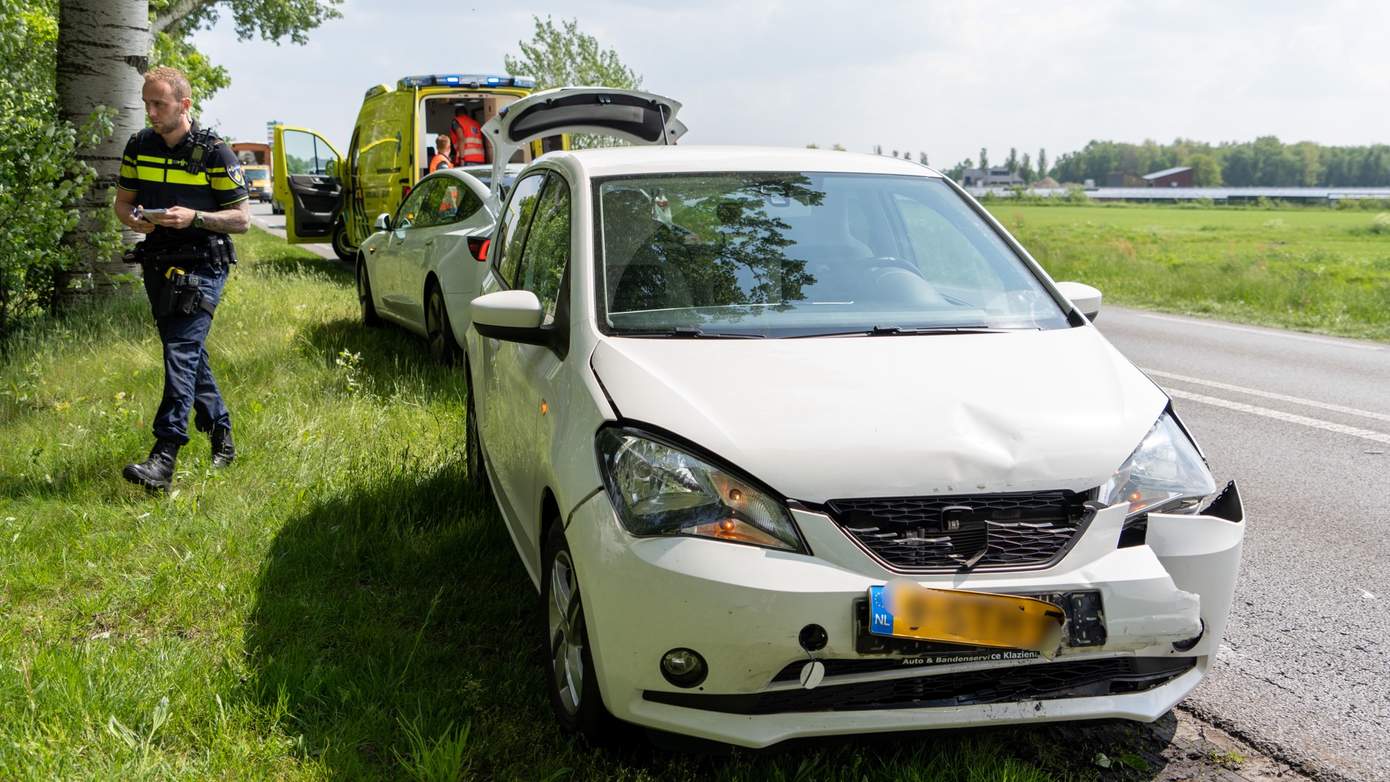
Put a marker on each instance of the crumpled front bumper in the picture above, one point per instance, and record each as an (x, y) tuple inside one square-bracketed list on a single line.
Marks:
[(742, 608)]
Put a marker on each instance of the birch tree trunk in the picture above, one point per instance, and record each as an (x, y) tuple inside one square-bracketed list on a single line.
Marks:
[(103, 52)]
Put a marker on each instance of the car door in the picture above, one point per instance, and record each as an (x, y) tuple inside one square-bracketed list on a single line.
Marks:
[(501, 432), (530, 373), (417, 247), (394, 250), (305, 172)]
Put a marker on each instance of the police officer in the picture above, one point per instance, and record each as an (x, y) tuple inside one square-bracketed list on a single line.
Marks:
[(187, 172)]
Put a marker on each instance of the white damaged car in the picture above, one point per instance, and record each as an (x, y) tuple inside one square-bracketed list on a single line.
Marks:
[(798, 442)]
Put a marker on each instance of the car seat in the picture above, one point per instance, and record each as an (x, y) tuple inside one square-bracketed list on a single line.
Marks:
[(637, 274)]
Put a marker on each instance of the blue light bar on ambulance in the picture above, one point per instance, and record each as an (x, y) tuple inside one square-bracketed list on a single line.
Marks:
[(465, 80)]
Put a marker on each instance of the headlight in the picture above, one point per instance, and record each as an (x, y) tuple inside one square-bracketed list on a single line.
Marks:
[(1165, 473), (661, 490)]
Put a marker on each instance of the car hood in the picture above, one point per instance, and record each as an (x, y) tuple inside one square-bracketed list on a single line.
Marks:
[(827, 418)]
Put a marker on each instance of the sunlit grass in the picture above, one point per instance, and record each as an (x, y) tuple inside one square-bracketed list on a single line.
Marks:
[(1312, 269)]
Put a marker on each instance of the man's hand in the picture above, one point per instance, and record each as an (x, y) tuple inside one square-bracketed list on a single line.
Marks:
[(174, 217), (141, 226)]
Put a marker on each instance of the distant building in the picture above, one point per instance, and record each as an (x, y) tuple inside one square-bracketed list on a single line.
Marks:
[(1046, 183), (1181, 176), (995, 176)]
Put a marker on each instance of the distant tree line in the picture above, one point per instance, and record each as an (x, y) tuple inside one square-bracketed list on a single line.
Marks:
[(1266, 162)]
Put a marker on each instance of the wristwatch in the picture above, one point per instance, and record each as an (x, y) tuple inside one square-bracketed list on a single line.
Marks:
[(197, 219)]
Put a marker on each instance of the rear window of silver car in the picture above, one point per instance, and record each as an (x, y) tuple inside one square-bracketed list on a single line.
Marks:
[(803, 254)]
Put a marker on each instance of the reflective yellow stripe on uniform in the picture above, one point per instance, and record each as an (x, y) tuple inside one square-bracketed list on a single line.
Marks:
[(223, 183), (153, 159), (128, 171), (176, 177)]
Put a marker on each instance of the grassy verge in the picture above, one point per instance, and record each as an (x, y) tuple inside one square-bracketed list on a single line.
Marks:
[(336, 604), (1312, 269)]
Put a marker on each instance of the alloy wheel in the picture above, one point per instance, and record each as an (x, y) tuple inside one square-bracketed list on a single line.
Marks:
[(566, 633), (434, 319)]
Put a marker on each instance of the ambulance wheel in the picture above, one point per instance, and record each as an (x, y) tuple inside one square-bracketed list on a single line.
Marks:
[(341, 245), (364, 295)]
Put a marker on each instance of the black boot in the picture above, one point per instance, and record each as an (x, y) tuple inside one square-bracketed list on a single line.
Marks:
[(156, 472), (223, 452)]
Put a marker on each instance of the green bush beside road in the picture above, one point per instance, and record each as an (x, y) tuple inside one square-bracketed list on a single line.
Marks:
[(1312, 269)]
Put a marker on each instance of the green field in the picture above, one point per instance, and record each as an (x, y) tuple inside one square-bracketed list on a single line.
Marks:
[(335, 605), (1312, 269)]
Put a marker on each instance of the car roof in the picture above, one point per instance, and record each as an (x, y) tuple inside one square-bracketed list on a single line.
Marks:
[(687, 158)]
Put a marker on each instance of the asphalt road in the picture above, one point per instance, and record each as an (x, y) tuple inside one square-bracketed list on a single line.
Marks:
[(1302, 422), (275, 224)]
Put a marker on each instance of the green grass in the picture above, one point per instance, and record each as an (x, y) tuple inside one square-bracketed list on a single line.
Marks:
[(335, 605), (1311, 269)]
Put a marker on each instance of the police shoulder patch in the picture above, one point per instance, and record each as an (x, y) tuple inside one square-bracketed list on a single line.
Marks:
[(237, 176)]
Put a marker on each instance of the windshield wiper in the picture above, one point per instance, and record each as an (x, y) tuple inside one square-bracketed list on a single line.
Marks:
[(688, 332), (910, 331)]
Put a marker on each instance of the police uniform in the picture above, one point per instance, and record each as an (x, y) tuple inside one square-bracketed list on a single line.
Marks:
[(185, 270)]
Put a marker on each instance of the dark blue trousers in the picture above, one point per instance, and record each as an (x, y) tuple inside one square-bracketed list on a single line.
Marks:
[(188, 381)]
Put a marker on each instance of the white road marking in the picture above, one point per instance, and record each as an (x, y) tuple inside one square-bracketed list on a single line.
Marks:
[(1279, 415), (1264, 332), (1269, 395)]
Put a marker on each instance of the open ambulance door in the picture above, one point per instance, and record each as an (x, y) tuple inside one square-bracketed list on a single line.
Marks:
[(636, 117), (307, 171)]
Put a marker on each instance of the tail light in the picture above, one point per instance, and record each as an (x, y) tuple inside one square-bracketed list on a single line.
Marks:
[(405, 191), (478, 246)]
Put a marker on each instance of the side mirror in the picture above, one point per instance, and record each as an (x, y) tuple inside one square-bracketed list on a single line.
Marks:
[(330, 169), (383, 222), (1083, 297), (515, 316)]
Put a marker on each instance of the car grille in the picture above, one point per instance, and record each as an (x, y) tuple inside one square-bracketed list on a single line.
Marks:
[(913, 534), (1046, 681)]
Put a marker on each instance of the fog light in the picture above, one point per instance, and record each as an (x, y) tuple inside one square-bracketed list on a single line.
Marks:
[(683, 667)]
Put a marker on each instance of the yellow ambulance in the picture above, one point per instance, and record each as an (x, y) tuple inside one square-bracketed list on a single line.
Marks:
[(329, 197)]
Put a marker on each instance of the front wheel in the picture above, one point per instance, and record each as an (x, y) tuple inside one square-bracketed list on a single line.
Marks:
[(370, 318), (342, 245), (570, 677)]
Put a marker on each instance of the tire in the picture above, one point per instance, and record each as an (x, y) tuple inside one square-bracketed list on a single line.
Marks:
[(570, 677), (473, 447), (342, 246), (370, 318), (444, 349)]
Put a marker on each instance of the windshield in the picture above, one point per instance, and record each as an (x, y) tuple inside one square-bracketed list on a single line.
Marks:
[(257, 174), (805, 254)]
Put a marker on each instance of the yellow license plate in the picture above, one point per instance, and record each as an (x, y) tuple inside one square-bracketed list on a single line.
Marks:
[(908, 610)]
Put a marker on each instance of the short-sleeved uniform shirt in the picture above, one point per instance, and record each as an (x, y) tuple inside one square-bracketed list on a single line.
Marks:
[(160, 178)]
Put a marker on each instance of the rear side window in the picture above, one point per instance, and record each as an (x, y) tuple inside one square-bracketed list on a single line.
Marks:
[(515, 220), (547, 250)]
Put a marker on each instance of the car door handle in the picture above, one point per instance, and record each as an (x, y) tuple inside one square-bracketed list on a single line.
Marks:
[(429, 242)]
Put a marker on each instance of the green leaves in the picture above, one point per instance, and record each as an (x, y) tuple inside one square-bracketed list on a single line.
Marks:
[(40, 182), (565, 57)]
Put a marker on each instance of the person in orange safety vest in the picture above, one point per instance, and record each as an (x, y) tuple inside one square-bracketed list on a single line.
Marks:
[(468, 139), (441, 153)]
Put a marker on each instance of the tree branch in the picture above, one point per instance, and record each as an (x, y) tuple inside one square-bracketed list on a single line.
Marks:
[(176, 13)]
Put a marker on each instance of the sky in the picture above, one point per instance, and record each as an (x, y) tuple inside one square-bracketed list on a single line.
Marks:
[(935, 77)]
